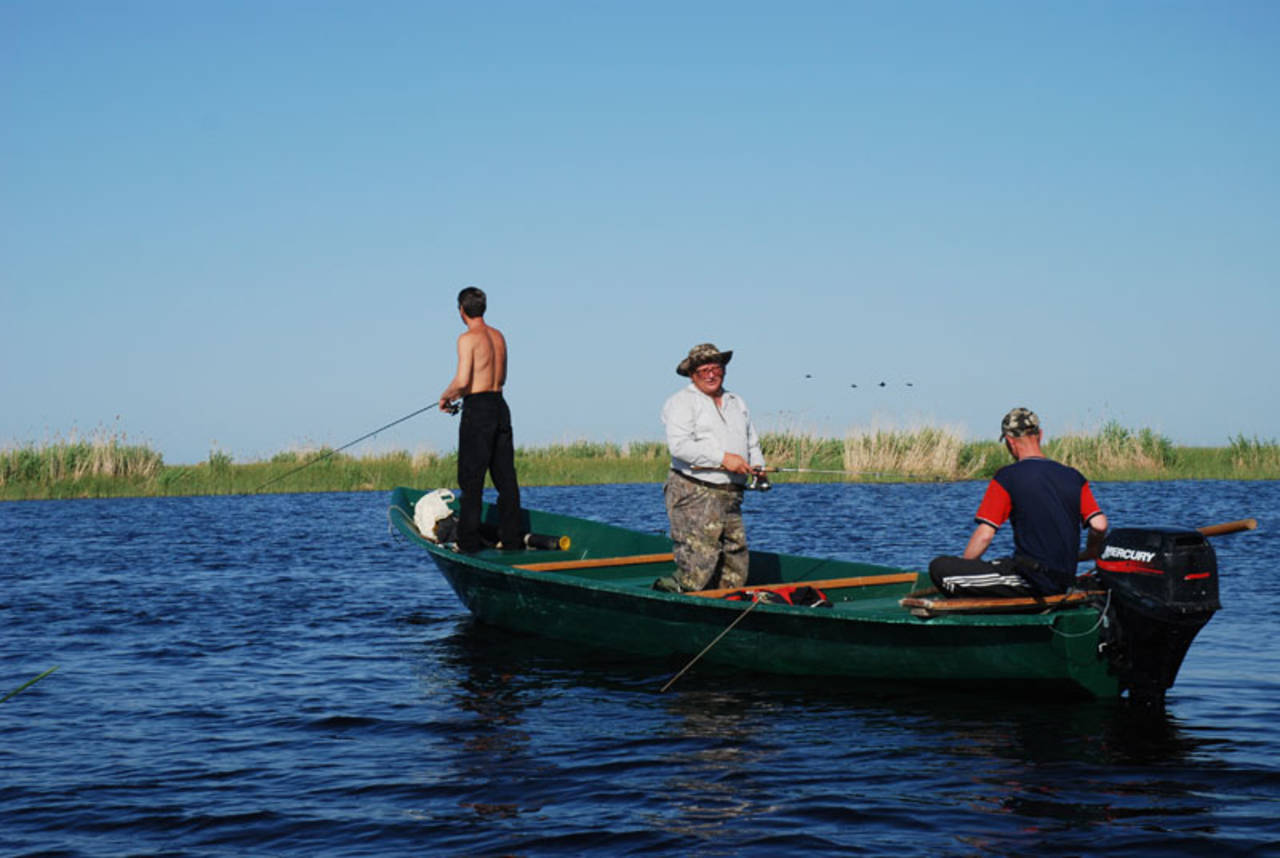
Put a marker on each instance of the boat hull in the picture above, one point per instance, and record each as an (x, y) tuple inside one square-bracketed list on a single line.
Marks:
[(866, 635)]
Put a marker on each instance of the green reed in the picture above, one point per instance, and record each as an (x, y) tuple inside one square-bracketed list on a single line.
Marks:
[(928, 452), (104, 459), (110, 467), (24, 686)]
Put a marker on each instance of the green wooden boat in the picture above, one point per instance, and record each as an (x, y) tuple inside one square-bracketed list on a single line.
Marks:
[(881, 623)]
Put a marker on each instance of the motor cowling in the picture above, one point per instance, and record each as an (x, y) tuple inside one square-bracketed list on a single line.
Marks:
[(1163, 585)]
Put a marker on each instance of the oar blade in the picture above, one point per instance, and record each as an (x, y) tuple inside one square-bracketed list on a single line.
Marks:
[(1229, 527)]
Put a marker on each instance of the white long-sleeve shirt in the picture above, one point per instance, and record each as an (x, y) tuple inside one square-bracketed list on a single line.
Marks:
[(699, 434)]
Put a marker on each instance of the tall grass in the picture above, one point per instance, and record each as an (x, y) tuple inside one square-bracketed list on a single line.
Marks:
[(104, 456), (929, 451), (1251, 456), (800, 449), (1117, 451), (590, 462), (108, 466)]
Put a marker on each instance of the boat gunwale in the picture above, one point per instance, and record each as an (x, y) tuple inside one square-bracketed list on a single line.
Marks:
[(1046, 618)]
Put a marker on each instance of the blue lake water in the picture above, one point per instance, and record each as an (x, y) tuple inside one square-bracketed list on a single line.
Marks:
[(279, 675)]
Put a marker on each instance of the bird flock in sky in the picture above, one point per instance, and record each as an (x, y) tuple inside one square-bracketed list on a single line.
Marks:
[(881, 384)]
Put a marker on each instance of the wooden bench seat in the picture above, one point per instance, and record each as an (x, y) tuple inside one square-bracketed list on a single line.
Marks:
[(930, 603)]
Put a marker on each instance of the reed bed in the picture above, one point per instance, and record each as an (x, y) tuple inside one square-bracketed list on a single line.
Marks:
[(591, 463), (103, 457), (799, 449), (109, 466), (928, 452), (1116, 451), (1250, 456)]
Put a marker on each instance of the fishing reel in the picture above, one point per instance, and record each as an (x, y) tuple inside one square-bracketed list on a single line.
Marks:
[(759, 482)]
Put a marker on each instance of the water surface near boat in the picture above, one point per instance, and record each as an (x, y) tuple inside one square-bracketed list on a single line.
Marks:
[(278, 675)]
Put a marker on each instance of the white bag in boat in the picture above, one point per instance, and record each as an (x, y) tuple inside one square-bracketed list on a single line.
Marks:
[(433, 517)]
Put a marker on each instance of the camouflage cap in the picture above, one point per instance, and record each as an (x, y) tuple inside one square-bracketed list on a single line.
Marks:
[(1019, 422), (700, 354)]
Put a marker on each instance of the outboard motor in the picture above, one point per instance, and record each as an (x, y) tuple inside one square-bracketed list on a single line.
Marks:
[(1163, 584)]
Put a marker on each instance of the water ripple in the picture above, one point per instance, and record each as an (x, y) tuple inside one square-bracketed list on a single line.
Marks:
[(277, 675)]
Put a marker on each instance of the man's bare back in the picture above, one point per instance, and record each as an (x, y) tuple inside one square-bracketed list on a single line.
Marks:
[(488, 358), (482, 362)]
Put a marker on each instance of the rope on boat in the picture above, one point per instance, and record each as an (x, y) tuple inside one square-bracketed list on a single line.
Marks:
[(1102, 616), (705, 649)]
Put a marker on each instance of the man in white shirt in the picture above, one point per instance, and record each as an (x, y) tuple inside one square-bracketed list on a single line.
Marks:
[(714, 453)]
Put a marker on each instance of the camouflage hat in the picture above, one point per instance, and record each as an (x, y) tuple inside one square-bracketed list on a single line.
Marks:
[(1019, 422), (700, 354)]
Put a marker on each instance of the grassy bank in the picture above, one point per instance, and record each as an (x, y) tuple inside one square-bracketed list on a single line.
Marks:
[(110, 467)]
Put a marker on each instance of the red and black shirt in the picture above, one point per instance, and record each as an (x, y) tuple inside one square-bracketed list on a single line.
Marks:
[(1048, 503)]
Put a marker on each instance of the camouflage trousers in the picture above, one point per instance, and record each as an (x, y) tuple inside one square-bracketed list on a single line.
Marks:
[(706, 527)]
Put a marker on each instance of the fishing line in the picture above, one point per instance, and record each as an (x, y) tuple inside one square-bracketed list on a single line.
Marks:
[(343, 447), (705, 649)]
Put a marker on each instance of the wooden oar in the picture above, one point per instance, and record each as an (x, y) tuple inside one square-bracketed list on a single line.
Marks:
[(1229, 527), (827, 584), (596, 562)]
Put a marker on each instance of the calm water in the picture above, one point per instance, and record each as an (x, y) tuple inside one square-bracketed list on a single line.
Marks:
[(278, 675)]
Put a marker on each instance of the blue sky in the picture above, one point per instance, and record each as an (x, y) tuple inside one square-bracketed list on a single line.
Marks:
[(242, 225)]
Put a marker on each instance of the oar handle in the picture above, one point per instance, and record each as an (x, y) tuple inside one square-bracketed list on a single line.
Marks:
[(1229, 527)]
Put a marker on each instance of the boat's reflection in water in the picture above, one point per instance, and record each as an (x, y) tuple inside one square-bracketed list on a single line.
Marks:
[(792, 754)]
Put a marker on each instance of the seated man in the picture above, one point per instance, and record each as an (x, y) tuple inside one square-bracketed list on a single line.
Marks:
[(1048, 503)]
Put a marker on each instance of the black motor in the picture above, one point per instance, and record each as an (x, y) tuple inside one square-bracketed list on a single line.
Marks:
[(1163, 584)]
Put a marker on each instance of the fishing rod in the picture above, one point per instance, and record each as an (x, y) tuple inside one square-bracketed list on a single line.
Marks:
[(453, 410), (850, 473), (760, 482)]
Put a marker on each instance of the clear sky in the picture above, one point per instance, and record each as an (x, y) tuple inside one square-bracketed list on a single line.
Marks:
[(243, 225)]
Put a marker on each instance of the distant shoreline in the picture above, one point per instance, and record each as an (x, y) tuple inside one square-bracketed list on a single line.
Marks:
[(107, 467)]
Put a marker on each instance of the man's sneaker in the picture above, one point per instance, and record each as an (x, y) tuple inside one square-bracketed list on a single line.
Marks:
[(667, 585)]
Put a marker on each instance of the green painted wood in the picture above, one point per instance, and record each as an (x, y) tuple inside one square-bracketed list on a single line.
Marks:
[(866, 636)]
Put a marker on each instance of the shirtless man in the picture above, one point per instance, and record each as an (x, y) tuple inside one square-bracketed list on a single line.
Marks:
[(484, 435)]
